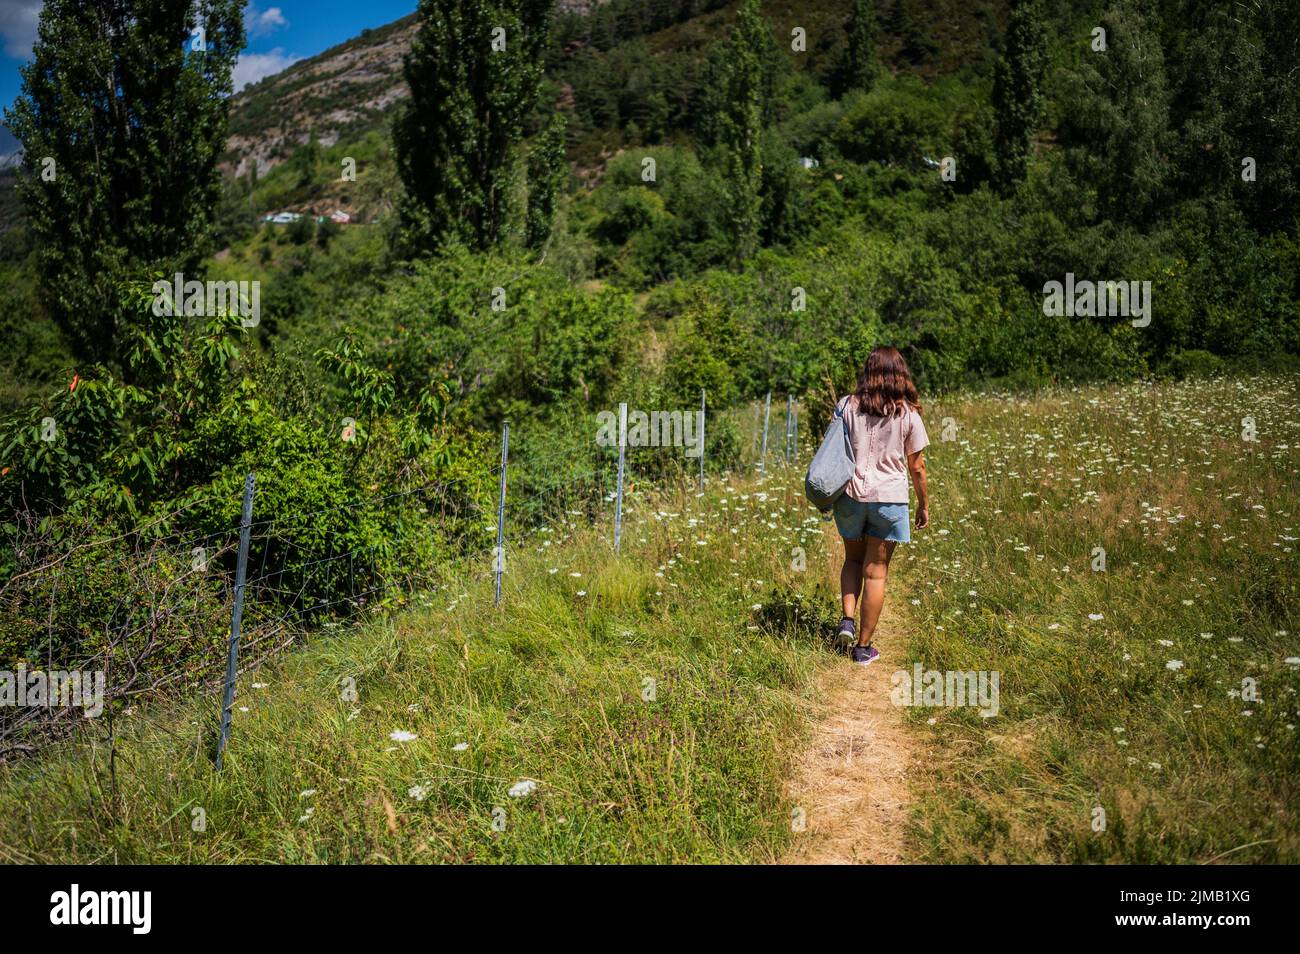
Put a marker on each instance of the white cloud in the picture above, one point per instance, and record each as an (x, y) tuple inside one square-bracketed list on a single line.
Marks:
[(18, 19), (252, 67), (262, 22)]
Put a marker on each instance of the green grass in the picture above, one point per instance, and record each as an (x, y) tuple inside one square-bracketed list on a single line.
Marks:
[(549, 687), (1199, 529)]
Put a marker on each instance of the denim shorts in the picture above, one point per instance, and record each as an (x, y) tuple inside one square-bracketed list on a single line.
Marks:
[(884, 521)]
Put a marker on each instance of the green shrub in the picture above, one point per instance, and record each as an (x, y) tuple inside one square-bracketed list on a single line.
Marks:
[(1195, 363), (895, 124)]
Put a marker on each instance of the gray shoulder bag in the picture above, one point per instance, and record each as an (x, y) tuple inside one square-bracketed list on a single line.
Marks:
[(832, 466)]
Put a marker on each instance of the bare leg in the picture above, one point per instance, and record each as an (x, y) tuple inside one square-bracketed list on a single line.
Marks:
[(851, 576), (878, 555)]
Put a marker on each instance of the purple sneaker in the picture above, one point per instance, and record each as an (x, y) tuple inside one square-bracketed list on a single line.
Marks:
[(865, 655), (847, 633)]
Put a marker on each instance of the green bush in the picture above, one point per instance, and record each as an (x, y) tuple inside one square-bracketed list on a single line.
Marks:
[(1195, 363), (341, 516), (895, 124)]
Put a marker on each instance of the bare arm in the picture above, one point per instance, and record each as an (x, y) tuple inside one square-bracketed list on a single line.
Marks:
[(916, 467)]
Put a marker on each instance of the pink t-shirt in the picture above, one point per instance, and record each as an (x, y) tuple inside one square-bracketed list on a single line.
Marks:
[(880, 449)]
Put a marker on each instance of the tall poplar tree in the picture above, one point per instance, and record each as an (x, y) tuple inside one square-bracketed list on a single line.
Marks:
[(1017, 91), (858, 69), (473, 70), (1261, 95), (122, 118), (741, 127), (1117, 127), (548, 171)]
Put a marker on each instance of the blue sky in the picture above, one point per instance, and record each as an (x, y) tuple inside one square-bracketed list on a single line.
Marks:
[(279, 32)]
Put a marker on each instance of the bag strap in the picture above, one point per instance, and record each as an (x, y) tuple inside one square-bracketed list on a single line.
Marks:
[(839, 412), (844, 424)]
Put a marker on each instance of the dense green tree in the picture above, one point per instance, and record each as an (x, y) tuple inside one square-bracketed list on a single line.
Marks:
[(1260, 94), (714, 99), (973, 148), (233, 218), (308, 160), (741, 128), (711, 96), (122, 118), (1199, 38), (548, 173), (474, 71), (917, 44), (1017, 91), (858, 68), (1116, 124), (301, 230)]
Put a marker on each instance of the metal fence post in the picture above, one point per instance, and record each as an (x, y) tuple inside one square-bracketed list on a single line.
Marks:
[(701, 440), (499, 557), (618, 502), (767, 414), (789, 416), (236, 619), (794, 431)]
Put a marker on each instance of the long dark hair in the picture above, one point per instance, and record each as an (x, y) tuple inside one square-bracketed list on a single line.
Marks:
[(885, 386)]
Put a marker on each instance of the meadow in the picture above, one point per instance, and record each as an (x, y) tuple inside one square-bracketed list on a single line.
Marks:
[(648, 706), (638, 708), (1148, 708)]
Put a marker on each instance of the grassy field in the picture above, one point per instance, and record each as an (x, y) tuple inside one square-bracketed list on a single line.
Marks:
[(1146, 710), (459, 703), (1120, 689)]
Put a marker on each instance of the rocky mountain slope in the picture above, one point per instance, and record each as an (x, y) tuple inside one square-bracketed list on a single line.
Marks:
[(345, 90)]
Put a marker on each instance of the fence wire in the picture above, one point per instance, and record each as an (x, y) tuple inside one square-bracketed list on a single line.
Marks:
[(150, 607)]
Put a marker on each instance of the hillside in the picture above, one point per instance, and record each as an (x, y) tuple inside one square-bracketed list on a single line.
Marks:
[(340, 93), (348, 90)]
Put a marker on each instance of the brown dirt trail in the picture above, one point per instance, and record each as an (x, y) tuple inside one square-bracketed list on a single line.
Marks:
[(852, 780)]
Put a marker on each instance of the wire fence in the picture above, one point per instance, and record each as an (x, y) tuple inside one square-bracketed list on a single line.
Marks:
[(159, 610)]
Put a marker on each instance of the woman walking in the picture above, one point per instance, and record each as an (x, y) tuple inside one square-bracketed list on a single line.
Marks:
[(883, 418)]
